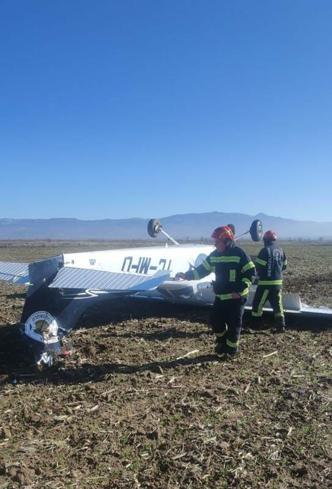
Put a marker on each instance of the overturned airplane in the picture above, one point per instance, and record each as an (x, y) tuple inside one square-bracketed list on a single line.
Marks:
[(62, 287)]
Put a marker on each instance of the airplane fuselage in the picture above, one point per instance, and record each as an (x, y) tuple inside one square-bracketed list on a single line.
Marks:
[(145, 261)]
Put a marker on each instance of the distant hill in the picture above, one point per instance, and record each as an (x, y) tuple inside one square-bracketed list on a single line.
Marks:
[(180, 226)]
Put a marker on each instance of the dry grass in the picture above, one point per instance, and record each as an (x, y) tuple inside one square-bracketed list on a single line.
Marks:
[(144, 403)]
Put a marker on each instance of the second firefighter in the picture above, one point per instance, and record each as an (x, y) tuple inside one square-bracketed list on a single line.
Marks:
[(270, 263)]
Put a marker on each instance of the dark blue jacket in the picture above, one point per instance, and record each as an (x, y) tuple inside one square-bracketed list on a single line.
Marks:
[(233, 268)]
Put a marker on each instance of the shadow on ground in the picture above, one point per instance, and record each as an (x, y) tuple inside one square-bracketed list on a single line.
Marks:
[(17, 363)]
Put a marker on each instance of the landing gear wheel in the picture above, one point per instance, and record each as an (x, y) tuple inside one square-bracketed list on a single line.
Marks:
[(154, 227), (256, 230)]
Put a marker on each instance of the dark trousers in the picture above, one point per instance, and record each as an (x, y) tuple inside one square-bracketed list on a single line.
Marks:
[(226, 322), (274, 296)]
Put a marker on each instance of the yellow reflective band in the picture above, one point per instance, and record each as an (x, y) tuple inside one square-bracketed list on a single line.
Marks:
[(261, 262), (256, 314), (285, 262), (232, 344), (262, 302), (220, 335), (224, 297), (279, 315), (244, 292), (247, 281), (281, 307), (232, 275), (248, 266), (207, 265), (225, 259), (270, 282), (196, 275)]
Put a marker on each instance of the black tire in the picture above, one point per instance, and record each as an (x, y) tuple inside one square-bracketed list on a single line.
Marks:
[(256, 230), (154, 227)]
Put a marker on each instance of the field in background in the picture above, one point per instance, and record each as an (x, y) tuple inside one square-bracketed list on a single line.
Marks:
[(144, 402)]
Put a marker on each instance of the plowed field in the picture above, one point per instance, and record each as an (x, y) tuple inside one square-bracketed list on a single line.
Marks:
[(144, 403)]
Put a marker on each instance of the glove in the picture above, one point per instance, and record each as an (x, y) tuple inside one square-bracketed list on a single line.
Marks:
[(180, 276)]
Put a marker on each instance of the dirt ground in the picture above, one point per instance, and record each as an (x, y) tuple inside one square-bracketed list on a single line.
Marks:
[(144, 403)]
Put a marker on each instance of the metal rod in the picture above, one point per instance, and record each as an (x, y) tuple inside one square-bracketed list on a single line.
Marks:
[(237, 237), (169, 237)]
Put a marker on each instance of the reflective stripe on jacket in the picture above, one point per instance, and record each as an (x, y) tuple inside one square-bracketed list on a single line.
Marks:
[(233, 268), (270, 263)]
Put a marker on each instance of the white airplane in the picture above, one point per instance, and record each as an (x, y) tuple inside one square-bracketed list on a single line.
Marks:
[(62, 287)]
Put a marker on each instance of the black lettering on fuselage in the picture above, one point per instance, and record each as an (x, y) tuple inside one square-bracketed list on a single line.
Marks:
[(127, 263), (144, 264)]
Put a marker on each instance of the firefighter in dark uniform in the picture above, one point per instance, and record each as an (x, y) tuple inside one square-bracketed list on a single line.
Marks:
[(270, 263), (234, 272)]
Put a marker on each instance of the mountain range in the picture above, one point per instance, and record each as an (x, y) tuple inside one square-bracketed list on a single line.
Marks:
[(180, 226)]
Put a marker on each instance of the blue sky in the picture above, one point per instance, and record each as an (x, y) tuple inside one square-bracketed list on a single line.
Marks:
[(147, 108)]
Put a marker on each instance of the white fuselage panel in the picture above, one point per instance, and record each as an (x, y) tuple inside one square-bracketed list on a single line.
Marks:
[(143, 261)]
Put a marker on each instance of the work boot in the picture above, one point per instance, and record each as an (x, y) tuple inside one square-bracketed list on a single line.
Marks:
[(231, 351), (220, 347), (252, 324), (280, 326), (279, 329), (225, 349), (223, 353)]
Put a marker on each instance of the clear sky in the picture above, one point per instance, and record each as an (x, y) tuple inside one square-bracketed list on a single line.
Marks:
[(147, 108)]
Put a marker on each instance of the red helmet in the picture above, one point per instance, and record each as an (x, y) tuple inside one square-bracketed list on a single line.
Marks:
[(223, 232), (270, 236)]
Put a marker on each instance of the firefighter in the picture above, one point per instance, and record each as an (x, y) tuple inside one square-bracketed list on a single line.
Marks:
[(270, 263), (234, 272)]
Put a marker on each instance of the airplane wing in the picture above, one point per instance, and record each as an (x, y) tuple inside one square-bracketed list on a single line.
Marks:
[(17, 273), (79, 278)]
